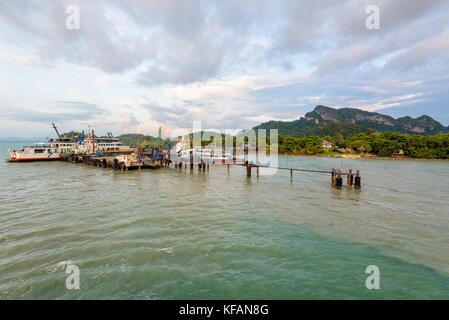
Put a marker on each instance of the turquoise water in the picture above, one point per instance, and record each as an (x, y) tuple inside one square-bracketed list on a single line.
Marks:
[(171, 234)]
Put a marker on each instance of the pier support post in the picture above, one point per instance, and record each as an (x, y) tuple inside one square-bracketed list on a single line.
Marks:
[(333, 179), (248, 170), (207, 167), (257, 171), (228, 168), (357, 182), (291, 175), (350, 179), (339, 179)]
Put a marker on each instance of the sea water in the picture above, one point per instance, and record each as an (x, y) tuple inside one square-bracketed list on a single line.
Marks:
[(176, 234)]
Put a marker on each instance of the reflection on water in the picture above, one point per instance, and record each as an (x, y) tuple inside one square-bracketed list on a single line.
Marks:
[(162, 234)]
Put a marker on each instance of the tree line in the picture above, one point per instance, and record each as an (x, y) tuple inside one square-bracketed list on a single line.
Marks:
[(382, 144)]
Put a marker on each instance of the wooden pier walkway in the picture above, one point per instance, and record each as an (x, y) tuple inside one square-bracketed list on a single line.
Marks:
[(125, 162), (336, 175)]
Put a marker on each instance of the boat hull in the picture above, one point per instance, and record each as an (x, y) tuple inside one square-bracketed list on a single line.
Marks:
[(32, 159)]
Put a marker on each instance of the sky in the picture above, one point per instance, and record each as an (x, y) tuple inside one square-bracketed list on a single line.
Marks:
[(133, 66)]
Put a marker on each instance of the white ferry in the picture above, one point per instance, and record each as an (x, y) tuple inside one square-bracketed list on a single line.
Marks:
[(52, 149), (42, 151), (91, 145)]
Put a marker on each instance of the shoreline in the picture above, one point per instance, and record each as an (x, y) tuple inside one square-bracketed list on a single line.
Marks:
[(360, 156)]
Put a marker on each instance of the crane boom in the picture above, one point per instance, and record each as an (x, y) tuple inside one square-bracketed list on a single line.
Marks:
[(56, 129)]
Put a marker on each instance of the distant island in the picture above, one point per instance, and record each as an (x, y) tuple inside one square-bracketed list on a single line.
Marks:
[(349, 131), (324, 121)]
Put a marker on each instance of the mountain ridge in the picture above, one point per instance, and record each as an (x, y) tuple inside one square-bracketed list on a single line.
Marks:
[(324, 121)]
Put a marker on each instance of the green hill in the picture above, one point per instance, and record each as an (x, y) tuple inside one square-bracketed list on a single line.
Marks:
[(325, 121)]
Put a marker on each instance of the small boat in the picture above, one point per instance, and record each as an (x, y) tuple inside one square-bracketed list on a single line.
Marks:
[(205, 155)]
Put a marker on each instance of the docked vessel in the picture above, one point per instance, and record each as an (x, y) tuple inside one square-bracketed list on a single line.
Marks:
[(42, 151), (52, 149), (205, 155), (91, 145), (201, 154)]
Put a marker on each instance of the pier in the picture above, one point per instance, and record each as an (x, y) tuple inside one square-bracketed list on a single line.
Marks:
[(336, 175), (123, 162), (144, 159)]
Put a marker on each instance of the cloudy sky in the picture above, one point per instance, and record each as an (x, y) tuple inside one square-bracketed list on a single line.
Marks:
[(136, 64)]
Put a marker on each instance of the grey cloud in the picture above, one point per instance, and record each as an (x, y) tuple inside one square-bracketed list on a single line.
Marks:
[(393, 16), (335, 33), (401, 12), (184, 62), (64, 111), (177, 116), (210, 115), (98, 43), (129, 120), (183, 18), (183, 41), (423, 52)]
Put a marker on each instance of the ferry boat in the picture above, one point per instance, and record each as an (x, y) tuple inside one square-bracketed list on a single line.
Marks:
[(91, 145), (42, 151), (52, 149)]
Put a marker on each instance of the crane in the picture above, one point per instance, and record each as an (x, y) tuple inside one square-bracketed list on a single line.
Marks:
[(56, 129)]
